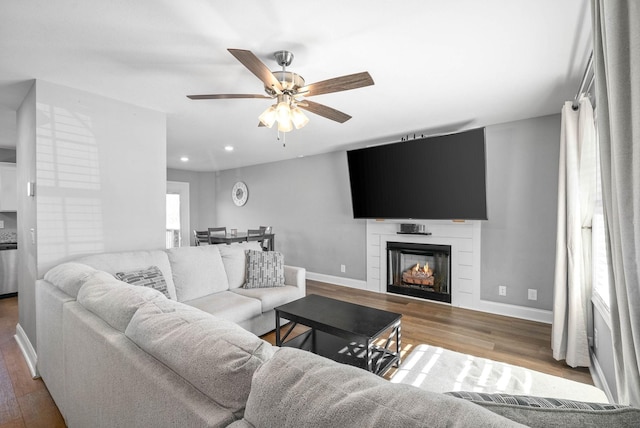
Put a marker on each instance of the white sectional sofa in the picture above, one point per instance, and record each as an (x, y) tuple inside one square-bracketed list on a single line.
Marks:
[(208, 278), (114, 354)]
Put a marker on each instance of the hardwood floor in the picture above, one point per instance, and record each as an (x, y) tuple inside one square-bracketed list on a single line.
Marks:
[(25, 402), (510, 340)]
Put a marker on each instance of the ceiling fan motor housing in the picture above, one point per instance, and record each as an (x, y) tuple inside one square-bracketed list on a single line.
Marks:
[(290, 81)]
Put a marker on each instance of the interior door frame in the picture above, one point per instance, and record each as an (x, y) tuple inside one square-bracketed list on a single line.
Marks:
[(182, 189)]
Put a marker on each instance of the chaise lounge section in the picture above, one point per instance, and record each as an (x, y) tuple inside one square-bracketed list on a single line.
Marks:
[(115, 354)]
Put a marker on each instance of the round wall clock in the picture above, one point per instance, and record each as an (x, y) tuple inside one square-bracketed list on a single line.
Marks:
[(239, 193)]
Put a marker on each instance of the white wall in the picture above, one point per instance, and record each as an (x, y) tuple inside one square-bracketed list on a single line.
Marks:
[(100, 171), (27, 251)]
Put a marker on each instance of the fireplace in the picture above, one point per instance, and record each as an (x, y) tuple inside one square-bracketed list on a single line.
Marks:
[(419, 270)]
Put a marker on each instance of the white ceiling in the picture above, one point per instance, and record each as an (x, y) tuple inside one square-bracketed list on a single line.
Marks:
[(438, 66)]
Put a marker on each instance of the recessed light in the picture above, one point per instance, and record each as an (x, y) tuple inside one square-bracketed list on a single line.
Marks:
[(184, 159), (228, 148)]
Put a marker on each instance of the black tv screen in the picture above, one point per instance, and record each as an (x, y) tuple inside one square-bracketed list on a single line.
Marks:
[(442, 177)]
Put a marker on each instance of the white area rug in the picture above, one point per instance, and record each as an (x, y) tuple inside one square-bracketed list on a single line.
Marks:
[(436, 369)]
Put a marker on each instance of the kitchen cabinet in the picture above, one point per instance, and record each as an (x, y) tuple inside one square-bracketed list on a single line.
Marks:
[(8, 187)]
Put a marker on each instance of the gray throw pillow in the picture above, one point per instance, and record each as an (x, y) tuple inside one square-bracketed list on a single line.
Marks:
[(264, 269), (149, 277), (545, 412)]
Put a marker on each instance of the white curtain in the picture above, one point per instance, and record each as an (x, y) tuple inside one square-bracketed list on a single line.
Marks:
[(576, 195), (616, 53)]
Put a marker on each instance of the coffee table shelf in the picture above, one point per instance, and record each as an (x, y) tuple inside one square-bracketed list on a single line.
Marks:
[(343, 332)]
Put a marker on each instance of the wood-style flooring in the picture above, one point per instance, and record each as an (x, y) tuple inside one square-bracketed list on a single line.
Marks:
[(510, 340), (25, 402)]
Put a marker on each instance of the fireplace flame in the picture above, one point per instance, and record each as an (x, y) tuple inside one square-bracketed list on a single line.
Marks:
[(424, 270)]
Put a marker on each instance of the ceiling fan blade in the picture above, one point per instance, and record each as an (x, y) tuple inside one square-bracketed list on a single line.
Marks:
[(257, 67), (337, 84), (225, 96), (324, 111)]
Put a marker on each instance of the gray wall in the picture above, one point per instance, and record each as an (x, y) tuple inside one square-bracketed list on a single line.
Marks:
[(202, 195), (518, 240), (308, 203)]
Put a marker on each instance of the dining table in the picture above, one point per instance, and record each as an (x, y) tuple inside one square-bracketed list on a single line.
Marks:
[(228, 238)]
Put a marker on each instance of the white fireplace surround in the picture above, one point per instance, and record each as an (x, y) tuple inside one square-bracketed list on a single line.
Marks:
[(463, 237)]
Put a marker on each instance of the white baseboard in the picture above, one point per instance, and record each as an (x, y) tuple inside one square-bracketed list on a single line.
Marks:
[(532, 314), (28, 352), (515, 311), (337, 280), (599, 380)]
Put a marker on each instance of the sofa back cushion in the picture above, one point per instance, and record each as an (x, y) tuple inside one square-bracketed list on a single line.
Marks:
[(296, 388), (234, 259), (197, 271), (69, 277), (113, 300), (133, 260), (216, 356)]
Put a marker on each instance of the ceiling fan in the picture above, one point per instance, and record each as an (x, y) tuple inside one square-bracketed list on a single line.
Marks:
[(286, 87)]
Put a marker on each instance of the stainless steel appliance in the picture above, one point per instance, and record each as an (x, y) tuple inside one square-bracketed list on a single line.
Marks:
[(8, 268)]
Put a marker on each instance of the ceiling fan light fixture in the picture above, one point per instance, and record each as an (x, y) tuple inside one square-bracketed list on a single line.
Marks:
[(298, 118), (285, 126), (268, 117), (283, 110)]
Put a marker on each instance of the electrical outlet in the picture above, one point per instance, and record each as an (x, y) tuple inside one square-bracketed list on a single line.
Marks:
[(595, 338), (502, 290), (533, 294), (343, 268), (1, 224)]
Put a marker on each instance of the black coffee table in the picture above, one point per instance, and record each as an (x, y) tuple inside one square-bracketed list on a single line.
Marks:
[(344, 332)]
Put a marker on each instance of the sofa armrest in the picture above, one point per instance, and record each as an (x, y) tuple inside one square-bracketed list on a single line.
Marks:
[(297, 276)]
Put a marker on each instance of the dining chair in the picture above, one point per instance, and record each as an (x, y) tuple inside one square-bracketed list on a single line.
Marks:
[(255, 235), (266, 243), (201, 237), (216, 231)]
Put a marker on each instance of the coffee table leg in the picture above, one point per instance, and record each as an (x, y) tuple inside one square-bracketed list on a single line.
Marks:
[(398, 339), (278, 343)]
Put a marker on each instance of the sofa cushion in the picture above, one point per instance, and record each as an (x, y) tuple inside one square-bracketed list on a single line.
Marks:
[(113, 300), (296, 388), (554, 412), (235, 261), (228, 305), (131, 260), (264, 269), (216, 356), (271, 297), (150, 277), (69, 277), (197, 271)]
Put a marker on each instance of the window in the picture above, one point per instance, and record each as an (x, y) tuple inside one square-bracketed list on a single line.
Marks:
[(173, 221), (599, 246)]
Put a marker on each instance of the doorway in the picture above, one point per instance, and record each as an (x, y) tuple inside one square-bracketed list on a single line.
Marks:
[(177, 234)]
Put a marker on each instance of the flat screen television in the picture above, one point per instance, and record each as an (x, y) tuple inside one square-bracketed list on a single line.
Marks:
[(441, 177)]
